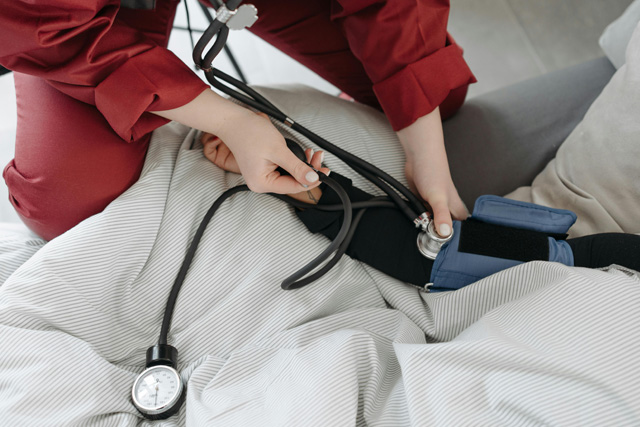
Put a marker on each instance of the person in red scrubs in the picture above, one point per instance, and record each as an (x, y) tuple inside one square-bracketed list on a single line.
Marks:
[(94, 79)]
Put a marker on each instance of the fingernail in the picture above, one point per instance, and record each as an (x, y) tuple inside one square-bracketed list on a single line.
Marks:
[(321, 156), (445, 230), (328, 173), (311, 176), (305, 185), (311, 154)]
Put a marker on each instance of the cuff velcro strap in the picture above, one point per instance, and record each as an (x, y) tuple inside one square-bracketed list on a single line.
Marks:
[(498, 241)]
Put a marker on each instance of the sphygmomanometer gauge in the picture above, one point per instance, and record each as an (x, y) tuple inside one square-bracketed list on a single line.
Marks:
[(158, 392)]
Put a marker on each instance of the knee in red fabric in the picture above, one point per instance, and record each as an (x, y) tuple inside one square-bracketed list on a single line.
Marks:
[(50, 204), (69, 164)]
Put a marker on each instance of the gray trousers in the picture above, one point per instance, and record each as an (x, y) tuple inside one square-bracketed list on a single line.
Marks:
[(500, 141)]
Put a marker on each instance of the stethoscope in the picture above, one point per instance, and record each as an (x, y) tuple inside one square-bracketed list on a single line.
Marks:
[(158, 392)]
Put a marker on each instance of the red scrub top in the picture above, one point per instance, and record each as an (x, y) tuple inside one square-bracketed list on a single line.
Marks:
[(116, 59)]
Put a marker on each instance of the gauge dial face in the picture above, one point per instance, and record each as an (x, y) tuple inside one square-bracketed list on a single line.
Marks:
[(157, 389)]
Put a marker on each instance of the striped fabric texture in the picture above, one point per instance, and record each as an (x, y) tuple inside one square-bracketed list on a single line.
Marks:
[(539, 344)]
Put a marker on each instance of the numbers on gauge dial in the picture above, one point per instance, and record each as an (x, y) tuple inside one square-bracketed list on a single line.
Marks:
[(157, 388)]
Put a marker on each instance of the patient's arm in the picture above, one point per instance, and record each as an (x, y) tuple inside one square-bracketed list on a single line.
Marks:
[(385, 240)]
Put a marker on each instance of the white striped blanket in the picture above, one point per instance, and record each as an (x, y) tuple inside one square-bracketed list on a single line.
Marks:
[(539, 344)]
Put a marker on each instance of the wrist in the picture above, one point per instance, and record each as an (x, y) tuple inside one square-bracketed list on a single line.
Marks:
[(423, 137), (232, 119), (311, 196)]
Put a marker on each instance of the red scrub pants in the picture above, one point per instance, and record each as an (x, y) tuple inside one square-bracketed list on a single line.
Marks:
[(69, 163)]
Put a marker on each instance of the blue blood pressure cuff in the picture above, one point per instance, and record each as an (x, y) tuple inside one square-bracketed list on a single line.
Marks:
[(501, 233)]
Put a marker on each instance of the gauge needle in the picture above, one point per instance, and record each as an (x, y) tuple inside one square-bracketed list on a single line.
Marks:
[(155, 401)]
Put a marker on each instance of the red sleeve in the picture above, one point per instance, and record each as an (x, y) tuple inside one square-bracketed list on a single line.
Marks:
[(80, 48), (406, 51)]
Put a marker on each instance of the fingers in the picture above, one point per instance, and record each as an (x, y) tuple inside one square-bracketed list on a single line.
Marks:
[(300, 171), (219, 153), (434, 184), (210, 143), (315, 159), (284, 184), (458, 209), (226, 160), (444, 208), (302, 176), (308, 154)]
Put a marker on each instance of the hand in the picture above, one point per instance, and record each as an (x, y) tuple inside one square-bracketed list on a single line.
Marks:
[(258, 148), (315, 159), (312, 195), (427, 171), (431, 180), (220, 155)]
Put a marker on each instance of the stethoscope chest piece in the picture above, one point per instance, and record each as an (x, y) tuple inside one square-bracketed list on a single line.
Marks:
[(430, 242), (158, 392)]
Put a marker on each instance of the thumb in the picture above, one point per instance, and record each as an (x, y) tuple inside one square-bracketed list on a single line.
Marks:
[(299, 170), (441, 217)]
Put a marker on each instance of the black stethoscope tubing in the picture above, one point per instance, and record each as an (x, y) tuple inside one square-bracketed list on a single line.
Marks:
[(412, 208), (339, 246)]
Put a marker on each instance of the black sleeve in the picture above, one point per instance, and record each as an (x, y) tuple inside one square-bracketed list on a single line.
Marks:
[(384, 238)]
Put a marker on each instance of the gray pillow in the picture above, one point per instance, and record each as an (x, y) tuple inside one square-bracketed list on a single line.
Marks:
[(616, 36)]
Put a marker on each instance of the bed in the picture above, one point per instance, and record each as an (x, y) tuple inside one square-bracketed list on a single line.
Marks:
[(538, 344)]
